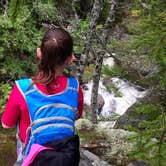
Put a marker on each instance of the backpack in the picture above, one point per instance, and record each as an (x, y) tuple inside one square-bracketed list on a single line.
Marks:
[(52, 117)]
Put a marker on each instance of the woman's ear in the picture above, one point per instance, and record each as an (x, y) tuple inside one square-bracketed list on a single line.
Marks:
[(38, 53), (70, 59)]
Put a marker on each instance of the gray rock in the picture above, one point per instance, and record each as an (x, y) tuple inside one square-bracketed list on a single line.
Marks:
[(132, 117), (100, 103), (90, 159), (138, 163)]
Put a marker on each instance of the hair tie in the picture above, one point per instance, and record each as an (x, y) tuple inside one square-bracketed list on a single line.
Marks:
[(55, 40)]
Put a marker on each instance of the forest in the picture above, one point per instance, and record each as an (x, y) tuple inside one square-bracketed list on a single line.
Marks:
[(115, 42)]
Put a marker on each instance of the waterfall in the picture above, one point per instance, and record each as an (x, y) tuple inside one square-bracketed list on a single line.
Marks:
[(115, 104)]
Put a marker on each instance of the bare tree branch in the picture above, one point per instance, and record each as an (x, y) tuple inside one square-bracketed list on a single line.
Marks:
[(103, 44), (110, 20), (97, 6)]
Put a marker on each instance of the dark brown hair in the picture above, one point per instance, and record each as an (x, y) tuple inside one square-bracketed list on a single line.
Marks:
[(56, 47)]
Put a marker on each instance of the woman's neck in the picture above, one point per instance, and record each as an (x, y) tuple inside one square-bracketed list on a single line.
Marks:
[(59, 71)]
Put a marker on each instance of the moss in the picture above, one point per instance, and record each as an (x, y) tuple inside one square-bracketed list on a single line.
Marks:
[(7, 150), (149, 111), (88, 72), (7, 147)]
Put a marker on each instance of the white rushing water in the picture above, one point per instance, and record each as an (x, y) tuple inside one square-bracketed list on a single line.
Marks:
[(118, 105)]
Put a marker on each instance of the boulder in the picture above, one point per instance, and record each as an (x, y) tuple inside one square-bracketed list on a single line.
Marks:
[(133, 118), (90, 159), (100, 103), (100, 99), (138, 163)]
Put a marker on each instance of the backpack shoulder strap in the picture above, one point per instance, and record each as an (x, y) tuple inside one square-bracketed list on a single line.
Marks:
[(73, 84), (25, 86)]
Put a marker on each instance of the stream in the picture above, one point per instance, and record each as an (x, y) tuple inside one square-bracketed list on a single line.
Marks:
[(117, 104)]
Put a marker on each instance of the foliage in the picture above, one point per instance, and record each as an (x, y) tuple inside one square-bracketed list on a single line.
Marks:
[(112, 117), (151, 38), (90, 137), (115, 71), (4, 93), (15, 8), (150, 145), (19, 40), (88, 72), (7, 151), (105, 11), (46, 12), (21, 32), (147, 37), (86, 130), (114, 89), (16, 69), (150, 111), (149, 140), (79, 35)]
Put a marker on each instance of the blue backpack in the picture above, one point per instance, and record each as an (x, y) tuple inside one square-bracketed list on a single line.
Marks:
[(52, 116)]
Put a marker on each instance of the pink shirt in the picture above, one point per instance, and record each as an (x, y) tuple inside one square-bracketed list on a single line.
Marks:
[(16, 110)]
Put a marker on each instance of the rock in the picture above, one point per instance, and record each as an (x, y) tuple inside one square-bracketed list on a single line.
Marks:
[(105, 126), (126, 119), (132, 117), (118, 142), (90, 159), (109, 143), (84, 87), (119, 147), (84, 125), (84, 160), (87, 98), (100, 103), (102, 145), (138, 163)]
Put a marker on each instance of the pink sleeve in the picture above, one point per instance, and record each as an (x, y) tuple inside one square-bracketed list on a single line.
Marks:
[(80, 102), (12, 110)]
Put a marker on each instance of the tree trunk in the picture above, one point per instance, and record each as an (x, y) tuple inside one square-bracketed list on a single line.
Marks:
[(97, 6), (95, 86), (99, 63), (110, 19), (75, 12), (4, 4)]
